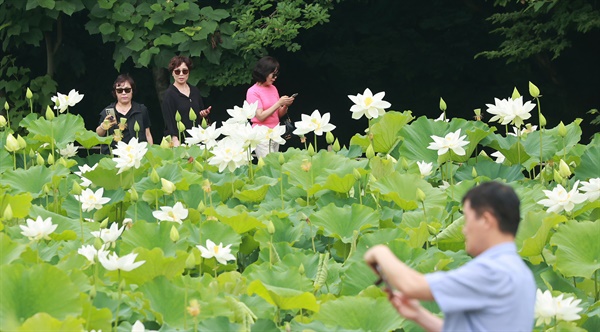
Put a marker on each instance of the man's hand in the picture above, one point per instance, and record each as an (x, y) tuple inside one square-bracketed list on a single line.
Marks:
[(409, 308)]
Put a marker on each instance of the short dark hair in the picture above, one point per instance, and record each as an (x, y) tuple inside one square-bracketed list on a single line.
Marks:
[(120, 80), (177, 60), (265, 66), (498, 199)]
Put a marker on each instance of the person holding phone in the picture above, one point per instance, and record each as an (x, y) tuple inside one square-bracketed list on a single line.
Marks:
[(271, 107), (124, 114), (181, 97)]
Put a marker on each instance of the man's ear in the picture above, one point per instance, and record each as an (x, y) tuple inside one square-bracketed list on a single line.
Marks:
[(490, 220)]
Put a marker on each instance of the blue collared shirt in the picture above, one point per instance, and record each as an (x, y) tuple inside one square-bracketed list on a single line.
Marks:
[(493, 292)]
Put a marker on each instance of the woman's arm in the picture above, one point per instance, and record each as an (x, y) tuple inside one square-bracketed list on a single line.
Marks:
[(149, 138)]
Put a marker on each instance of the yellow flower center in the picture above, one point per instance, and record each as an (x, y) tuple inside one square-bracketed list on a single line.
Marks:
[(368, 101), (216, 249)]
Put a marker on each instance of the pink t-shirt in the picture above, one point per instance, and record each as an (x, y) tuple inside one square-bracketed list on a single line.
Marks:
[(266, 96)]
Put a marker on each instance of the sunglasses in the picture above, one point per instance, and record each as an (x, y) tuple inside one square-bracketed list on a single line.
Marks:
[(181, 71), (121, 90)]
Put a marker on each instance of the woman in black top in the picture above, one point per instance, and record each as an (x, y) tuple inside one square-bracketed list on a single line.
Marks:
[(181, 97), (125, 108)]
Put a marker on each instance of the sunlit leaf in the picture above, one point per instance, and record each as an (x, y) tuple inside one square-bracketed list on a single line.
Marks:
[(341, 222), (33, 179), (350, 313), (284, 298), (577, 248), (44, 322)]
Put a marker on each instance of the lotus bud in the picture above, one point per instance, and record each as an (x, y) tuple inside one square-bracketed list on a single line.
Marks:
[(28, 94), (533, 90), (12, 144), (154, 176), (564, 170), (562, 130), (21, 141), (198, 166), (136, 127), (281, 159), (474, 172), (542, 120), (134, 195), (49, 113), (168, 187), (8, 212), (336, 145), (50, 159), (31, 153), (557, 177), (515, 94), (39, 160), (260, 164), (174, 234), (420, 195), (311, 150), (194, 308), (442, 105), (204, 123), (192, 115), (180, 127), (76, 188), (270, 227), (370, 153), (301, 269), (6, 107), (190, 261), (2, 121), (98, 243), (46, 189), (165, 143), (329, 137), (201, 207), (104, 223), (123, 283), (177, 117), (404, 163), (431, 230), (357, 175)]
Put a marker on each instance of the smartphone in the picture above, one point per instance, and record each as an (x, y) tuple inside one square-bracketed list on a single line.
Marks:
[(111, 112), (294, 95), (382, 279)]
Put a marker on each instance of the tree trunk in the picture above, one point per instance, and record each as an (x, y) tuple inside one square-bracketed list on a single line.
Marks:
[(161, 81)]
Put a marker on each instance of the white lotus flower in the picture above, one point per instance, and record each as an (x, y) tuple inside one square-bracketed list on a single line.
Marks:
[(229, 153), (85, 182), (129, 154), (452, 141), (91, 200), (139, 327), (175, 214), (62, 102), (245, 134), (111, 234), (559, 198), (369, 105), (523, 131), (441, 118), (208, 136), (244, 113), (275, 134), (69, 151), (222, 254), (38, 229), (591, 189), (89, 252), (425, 168), (113, 262), (510, 111), (315, 123), (499, 157), (548, 308)]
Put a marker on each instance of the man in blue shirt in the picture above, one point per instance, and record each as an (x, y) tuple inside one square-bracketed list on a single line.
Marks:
[(494, 291)]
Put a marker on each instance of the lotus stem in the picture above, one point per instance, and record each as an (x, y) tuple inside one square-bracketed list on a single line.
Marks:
[(537, 100), (118, 301), (596, 286), (315, 136), (14, 160), (281, 185), (24, 159), (81, 221)]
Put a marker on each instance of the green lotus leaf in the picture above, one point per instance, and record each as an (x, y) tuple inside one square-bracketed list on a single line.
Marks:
[(9, 250), (96, 318), (156, 155), (44, 322), (284, 232), (452, 237), (341, 222), (401, 189), (218, 233), (284, 298), (357, 277), (105, 175), (339, 184), (167, 299), (491, 170), (385, 131), (19, 204), (89, 139), (367, 314), (154, 235), (381, 167), (257, 191), (577, 248), (534, 232), (590, 161), (156, 265), (33, 179), (218, 324), (38, 288), (550, 144), (238, 218), (6, 158), (553, 280), (63, 129)]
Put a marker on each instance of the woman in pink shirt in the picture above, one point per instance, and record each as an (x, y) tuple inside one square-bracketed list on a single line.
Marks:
[(271, 107)]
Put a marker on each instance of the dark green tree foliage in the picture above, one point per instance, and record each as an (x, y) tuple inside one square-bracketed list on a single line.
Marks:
[(536, 27)]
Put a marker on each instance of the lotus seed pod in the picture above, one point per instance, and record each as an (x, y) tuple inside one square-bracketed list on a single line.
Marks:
[(311, 150), (177, 117), (442, 105), (478, 115), (28, 94), (194, 308), (533, 90), (563, 169), (420, 195), (190, 261), (180, 127), (329, 137), (336, 145), (154, 176), (370, 153), (174, 234), (192, 115), (8, 212), (270, 227), (562, 130), (515, 94), (49, 113)]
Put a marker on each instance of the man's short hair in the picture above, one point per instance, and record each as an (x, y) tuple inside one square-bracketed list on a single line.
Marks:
[(498, 199)]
